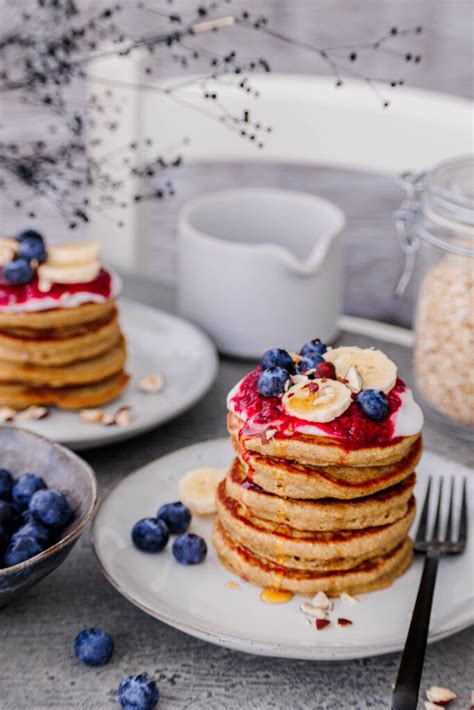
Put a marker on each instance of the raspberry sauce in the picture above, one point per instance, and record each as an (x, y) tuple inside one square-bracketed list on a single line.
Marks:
[(352, 430), (11, 295)]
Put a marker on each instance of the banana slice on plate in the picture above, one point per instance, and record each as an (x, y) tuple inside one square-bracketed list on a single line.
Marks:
[(198, 488), (73, 253), (377, 371), (320, 400)]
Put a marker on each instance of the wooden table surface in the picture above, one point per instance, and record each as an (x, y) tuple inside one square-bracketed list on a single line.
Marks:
[(38, 670)]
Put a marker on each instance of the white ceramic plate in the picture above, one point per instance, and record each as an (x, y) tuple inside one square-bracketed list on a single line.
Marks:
[(158, 343), (197, 600)]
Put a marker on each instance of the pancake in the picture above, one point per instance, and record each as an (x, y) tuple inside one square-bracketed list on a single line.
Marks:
[(293, 480), (79, 373), (320, 450), (57, 317), (373, 574), (308, 550), (94, 340), (92, 395), (381, 508)]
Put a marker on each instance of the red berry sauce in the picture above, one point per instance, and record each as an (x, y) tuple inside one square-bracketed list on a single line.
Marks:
[(352, 430)]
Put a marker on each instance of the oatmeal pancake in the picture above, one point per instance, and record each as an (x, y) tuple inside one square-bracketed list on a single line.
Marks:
[(57, 317), (373, 574), (324, 514)]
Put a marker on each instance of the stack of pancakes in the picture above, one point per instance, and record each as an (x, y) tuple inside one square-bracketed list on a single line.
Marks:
[(304, 514), (69, 357)]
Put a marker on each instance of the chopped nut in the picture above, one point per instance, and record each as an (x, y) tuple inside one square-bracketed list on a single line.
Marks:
[(92, 416), (152, 384), (345, 597), (439, 695), (7, 414), (108, 419), (123, 416), (32, 413), (432, 706), (313, 611), (354, 379), (321, 601)]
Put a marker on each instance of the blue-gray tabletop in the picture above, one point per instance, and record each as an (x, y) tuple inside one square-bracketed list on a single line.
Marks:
[(38, 670)]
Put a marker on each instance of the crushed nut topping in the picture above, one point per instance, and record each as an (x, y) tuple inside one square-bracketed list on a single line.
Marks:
[(152, 384), (439, 695), (32, 413), (345, 597)]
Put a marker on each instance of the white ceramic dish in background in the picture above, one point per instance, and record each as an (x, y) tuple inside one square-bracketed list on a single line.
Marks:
[(157, 343), (260, 267), (197, 601)]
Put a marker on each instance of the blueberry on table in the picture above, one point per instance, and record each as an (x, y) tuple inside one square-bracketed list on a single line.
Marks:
[(150, 535), (30, 234), (138, 692), (176, 516), (373, 403), (8, 515), (24, 488), (36, 530), (93, 646), (314, 347), (309, 362), (18, 272), (6, 484), (271, 382), (51, 508), (31, 249), (276, 357), (20, 550), (189, 549)]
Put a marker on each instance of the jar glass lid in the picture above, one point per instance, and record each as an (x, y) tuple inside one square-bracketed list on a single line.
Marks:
[(449, 194)]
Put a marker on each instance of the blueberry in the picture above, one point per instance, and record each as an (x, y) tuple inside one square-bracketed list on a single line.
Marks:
[(32, 248), (314, 347), (176, 517), (20, 550), (8, 515), (24, 488), (4, 539), (138, 692), (6, 484), (150, 535), (276, 357), (51, 508), (18, 272), (373, 403), (36, 530), (271, 382), (30, 234), (309, 362), (93, 646), (189, 549)]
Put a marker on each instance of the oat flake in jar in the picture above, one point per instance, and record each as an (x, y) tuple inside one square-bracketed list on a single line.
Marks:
[(436, 231)]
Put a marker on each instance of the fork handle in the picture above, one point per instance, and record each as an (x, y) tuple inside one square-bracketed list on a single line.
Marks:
[(405, 695)]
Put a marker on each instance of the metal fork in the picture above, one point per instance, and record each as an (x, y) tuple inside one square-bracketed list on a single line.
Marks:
[(405, 695)]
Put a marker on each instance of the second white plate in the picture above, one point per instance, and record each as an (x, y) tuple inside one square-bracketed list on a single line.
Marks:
[(157, 343), (197, 600)]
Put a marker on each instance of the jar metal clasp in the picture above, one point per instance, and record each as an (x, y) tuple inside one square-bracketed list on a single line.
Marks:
[(406, 218)]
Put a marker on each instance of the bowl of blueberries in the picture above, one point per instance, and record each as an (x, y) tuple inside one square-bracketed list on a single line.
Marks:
[(48, 495)]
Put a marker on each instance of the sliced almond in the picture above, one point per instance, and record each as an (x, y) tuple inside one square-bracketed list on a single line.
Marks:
[(436, 694), (32, 413), (92, 416), (345, 597), (314, 611), (432, 706), (123, 416), (152, 384), (321, 601), (7, 414), (354, 379), (108, 419)]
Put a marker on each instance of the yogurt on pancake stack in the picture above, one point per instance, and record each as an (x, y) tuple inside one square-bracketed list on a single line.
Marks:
[(60, 339), (320, 494)]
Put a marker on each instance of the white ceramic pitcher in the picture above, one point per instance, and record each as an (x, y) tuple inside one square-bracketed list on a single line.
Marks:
[(261, 268)]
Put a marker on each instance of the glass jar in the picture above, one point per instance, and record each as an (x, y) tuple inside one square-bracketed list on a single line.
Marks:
[(435, 226)]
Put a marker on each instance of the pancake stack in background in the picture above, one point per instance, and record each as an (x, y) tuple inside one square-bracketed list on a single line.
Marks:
[(320, 494), (60, 340)]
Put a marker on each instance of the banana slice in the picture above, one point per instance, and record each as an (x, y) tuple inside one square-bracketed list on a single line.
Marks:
[(377, 371), (198, 487), (8, 249), (320, 400), (73, 253), (71, 274)]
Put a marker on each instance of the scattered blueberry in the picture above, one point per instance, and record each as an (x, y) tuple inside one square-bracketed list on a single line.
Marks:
[(314, 347), (189, 549), (6, 484), (18, 272), (138, 692), (276, 357), (309, 362), (51, 508), (373, 403), (36, 530), (24, 488), (150, 535), (176, 516), (32, 248), (325, 369), (30, 234), (8, 515), (271, 382), (94, 646), (21, 549)]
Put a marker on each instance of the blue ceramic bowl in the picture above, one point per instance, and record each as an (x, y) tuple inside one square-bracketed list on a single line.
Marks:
[(22, 451)]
